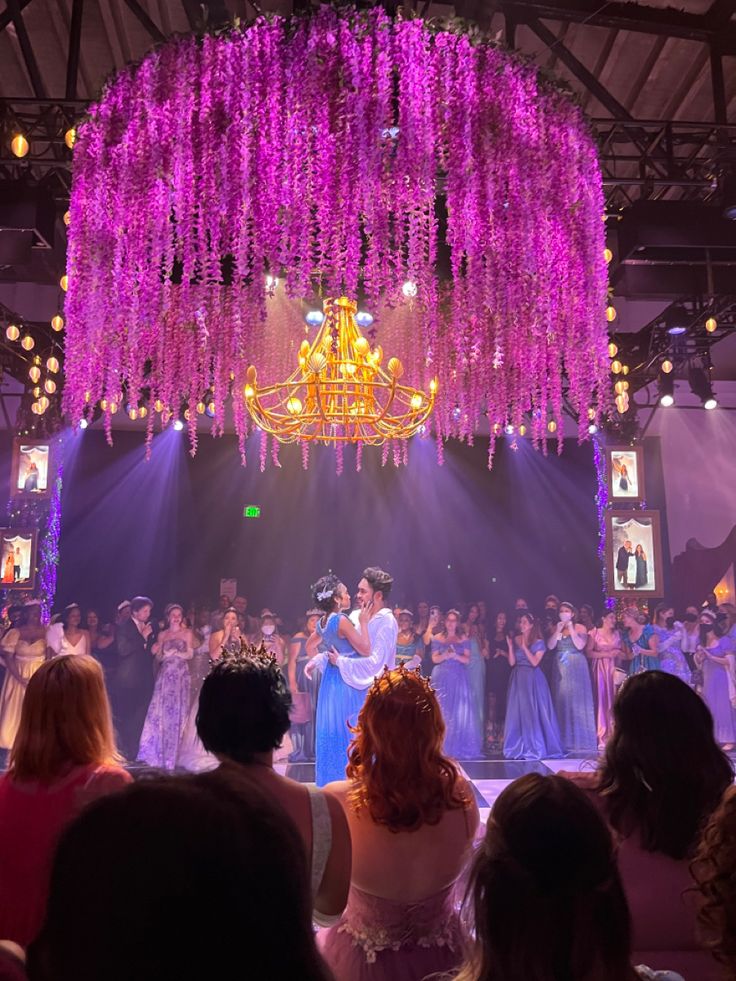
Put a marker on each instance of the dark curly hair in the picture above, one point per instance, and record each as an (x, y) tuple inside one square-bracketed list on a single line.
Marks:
[(378, 580), (663, 772), (327, 588), (714, 871), (244, 708)]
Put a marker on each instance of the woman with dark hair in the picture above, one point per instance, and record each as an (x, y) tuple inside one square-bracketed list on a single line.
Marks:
[(179, 878), (170, 703), (545, 898), (243, 717), (662, 777), (603, 648), (712, 656), (64, 755), (412, 819), (339, 703), (303, 691), (714, 871), (572, 692), (478, 645), (68, 637), (642, 574), (451, 680), (669, 635), (498, 674), (531, 732)]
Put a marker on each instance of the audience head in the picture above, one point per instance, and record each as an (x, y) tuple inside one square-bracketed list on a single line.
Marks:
[(244, 707), (174, 615), (402, 785), (501, 622), (546, 897), (71, 617), (529, 628), (268, 623), (92, 620), (329, 594), (453, 623), (473, 613), (225, 602), (312, 618), (568, 613), (31, 614), (241, 604), (663, 772), (607, 620), (230, 619), (135, 868), (632, 617), (375, 585), (521, 604), (423, 610), (65, 720), (663, 615), (552, 602), (714, 870), (202, 617), (123, 611), (406, 621)]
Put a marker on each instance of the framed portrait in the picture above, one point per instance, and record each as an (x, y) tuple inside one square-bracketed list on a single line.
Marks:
[(31, 471), (634, 554), (18, 558), (625, 473)]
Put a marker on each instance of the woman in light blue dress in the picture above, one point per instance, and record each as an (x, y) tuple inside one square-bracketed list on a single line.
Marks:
[(531, 731), (641, 642), (338, 704), (572, 689), (476, 635), (669, 636), (450, 679)]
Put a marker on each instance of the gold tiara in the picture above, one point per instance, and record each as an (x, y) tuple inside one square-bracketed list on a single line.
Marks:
[(388, 677)]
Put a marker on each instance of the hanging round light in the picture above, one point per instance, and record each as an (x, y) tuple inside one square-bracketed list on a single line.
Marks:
[(158, 406), (616, 367), (622, 403), (667, 366), (409, 288), (64, 282), (67, 217), (610, 313), (43, 403), (70, 137), (142, 412), (19, 145), (201, 408), (620, 387), (50, 386), (552, 426), (35, 409), (711, 325), (34, 373), (57, 322), (607, 254), (27, 343), (12, 332), (52, 365), (625, 369), (612, 350)]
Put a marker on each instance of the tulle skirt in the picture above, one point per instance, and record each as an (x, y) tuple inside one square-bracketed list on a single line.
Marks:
[(452, 684), (531, 731), (338, 706)]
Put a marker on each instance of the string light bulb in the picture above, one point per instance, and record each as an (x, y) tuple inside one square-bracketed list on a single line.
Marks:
[(52, 365), (610, 313), (201, 408), (142, 412), (552, 426), (607, 254), (19, 145), (67, 218), (711, 325), (616, 367), (27, 343), (57, 323), (12, 332), (34, 373), (667, 366), (50, 386), (64, 282), (612, 350), (70, 137), (43, 403), (622, 403)]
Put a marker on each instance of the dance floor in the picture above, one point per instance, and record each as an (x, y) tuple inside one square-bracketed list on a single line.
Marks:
[(487, 776)]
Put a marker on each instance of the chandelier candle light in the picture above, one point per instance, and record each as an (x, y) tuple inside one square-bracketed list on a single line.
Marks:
[(339, 393), (340, 153)]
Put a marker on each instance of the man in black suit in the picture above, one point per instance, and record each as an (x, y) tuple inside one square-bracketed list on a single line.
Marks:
[(133, 675), (622, 563)]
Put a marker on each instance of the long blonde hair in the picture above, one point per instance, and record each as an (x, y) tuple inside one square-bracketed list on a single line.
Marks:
[(66, 721)]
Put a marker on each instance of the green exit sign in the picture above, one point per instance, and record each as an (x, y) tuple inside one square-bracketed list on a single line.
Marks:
[(251, 511)]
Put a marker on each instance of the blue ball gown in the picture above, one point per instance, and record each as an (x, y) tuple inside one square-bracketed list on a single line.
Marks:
[(451, 681), (338, 706), (531, 730), (572, 692)]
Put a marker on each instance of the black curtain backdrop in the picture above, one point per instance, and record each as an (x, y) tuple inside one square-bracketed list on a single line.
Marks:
[(174, 526)]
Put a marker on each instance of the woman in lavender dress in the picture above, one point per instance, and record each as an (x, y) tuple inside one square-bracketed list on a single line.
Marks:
[(604, 647), (531, 730), (572, 691), (169, 708), (712, 657), (450, 677)]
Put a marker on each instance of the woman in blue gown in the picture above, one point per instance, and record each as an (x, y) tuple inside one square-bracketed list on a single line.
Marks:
[(531, 731), (572, 689), (475, 632), (338, 704), (450, 679), (641, 642)]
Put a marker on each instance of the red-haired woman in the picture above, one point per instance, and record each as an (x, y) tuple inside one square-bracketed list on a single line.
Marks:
[(64, 756), (714, 870), (412, 820)]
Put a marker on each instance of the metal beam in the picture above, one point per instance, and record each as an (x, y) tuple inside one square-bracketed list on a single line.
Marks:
[(718, 84), (579, 70), (624, 17), (75, 44), (15, 10), (142, 16), (6, 17)]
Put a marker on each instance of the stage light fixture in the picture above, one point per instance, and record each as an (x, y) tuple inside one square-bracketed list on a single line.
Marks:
[(701, 387), (676, 319), (728, 192), (19, 145), (509, 430), (666, 389), (83, 424), (711, 325), (409, 289), (592, 429), (314, 318), (178, 425), (364, 319)]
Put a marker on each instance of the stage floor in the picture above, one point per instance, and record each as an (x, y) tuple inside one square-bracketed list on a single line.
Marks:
[(487, 776)]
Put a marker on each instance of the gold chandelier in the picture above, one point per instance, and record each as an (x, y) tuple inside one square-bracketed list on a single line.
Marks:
[(339, 393)]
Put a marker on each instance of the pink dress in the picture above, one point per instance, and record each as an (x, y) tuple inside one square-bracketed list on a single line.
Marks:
[(603, 686), (383, 940)]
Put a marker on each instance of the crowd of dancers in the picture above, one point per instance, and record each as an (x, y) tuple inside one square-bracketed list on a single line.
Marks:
[(519, 684)]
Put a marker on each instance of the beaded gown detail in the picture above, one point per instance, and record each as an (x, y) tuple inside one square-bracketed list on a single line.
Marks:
[(169, 709), (338, 706)]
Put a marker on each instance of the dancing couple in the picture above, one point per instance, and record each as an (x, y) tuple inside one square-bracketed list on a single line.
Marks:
[(350, 651)]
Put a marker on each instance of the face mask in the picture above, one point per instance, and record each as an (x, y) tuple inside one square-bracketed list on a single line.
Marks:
[(565, 616), (670, 622), (267, 630), (705, 632)]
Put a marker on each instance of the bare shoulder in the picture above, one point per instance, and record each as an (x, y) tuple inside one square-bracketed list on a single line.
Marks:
[(338, 789)]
